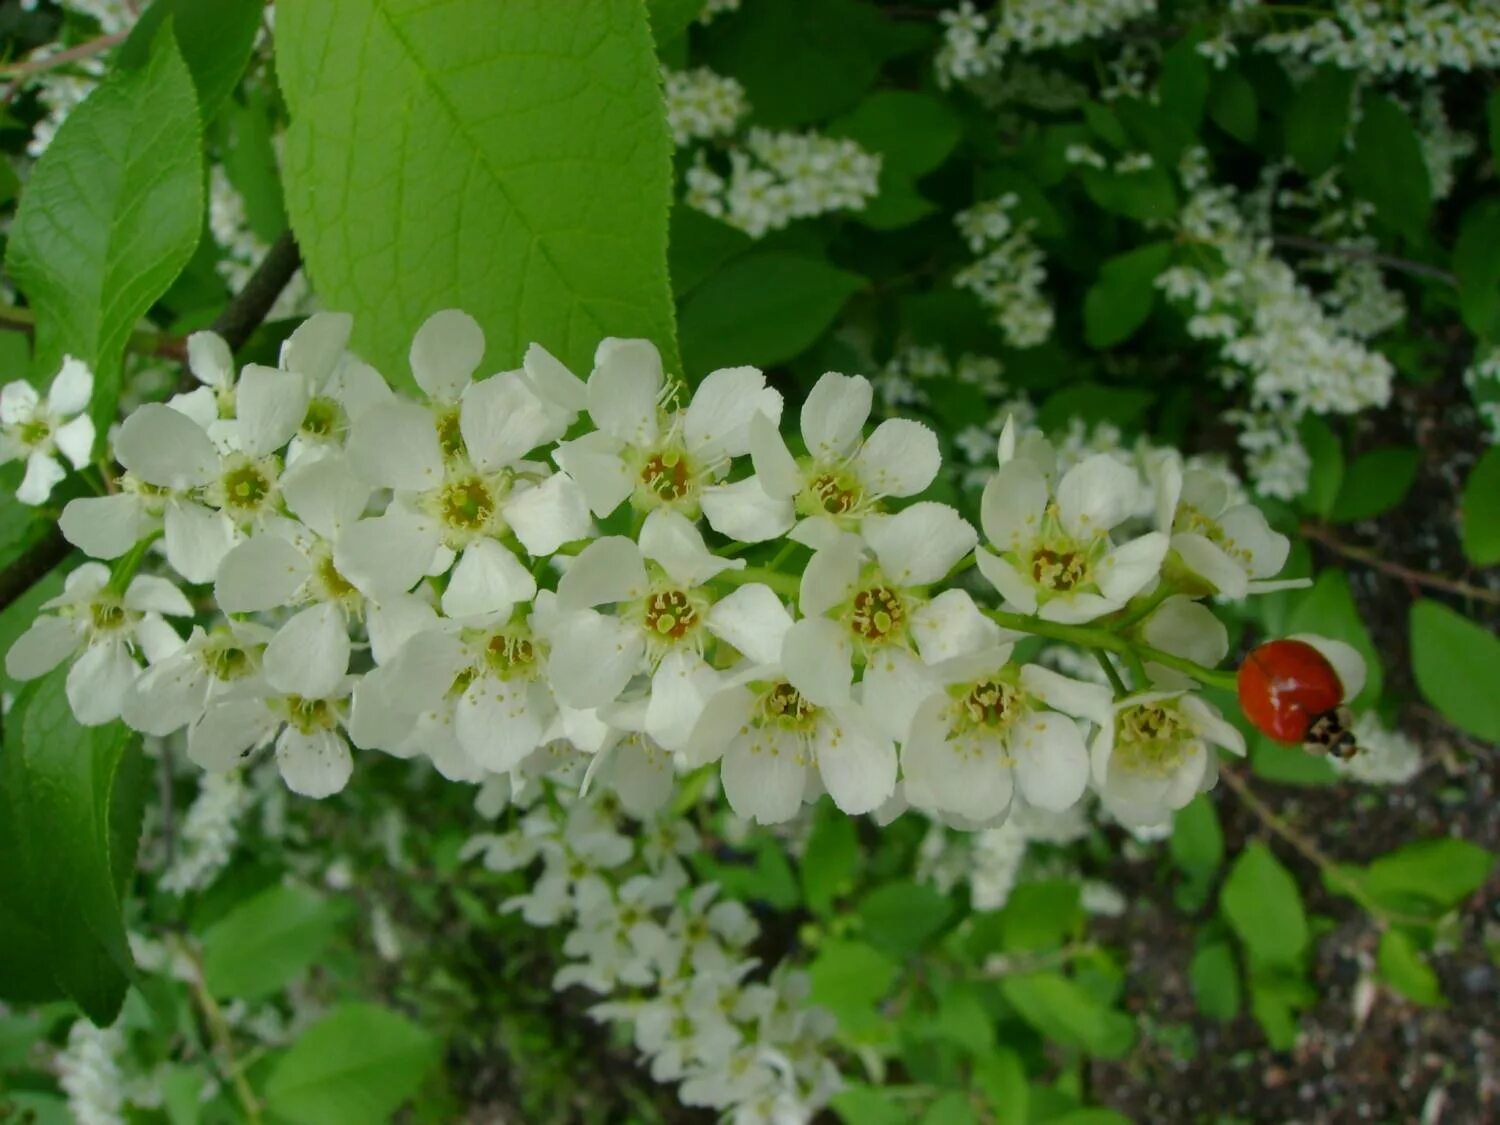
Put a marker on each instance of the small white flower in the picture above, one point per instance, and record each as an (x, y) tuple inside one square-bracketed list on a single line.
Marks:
[(1228, 546), (35, 429), (110, 628), (306, 726), (178, 689)]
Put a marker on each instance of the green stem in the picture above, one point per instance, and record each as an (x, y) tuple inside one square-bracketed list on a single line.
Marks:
[(1109, 670), (1213, 677), (782, 555), (785, 584), (1143, 608), (124, 570)]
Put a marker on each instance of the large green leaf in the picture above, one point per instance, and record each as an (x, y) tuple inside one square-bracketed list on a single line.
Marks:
[(1264, 908), (508, 159), (264, 944), (70, 813), (1061, 1009), (1457, 664), (1121, 300), (111, 215), (1318, 119), (356, 1066), (215, 40)]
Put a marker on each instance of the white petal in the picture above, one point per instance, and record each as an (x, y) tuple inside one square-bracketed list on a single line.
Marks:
[(763, 780), (674, 543), (317, 345), (1346, 661), (310, 654), (623, 390), (593, 658), (105, 527), (1018, 593), (834, 414), (228, 732), (1187, 628), (81, 585), (816, 656), (394, 621), (166, 448), (1062, 693), (269, 405), (951, 625), (716, 424), (857, 765), (753, 620), (395, 445), (607, 570), (593, 460), (210, 360), (357, 387), (1207, 560), (893, 685), (1126, 570), (1011, 509), (502, 420), (487, 579), (199, 404), (388, 554), (1077, 608), (325, 494), (920, 544), (1246, 528), (745, 512), (18, 402), (963, 777), (263, 572), (71, 389), (76, 440), (1052, 763), (47, 643), (726, 714), (197, 539), (1095, 495), (43, 471), (774, 464), (1168, 492), (548, 515), (374, 723), (98, 681), (498, 723), (901, 458), (640, 777), (680, 687), (554, 382), (155, 639), (831, 575), (445, 352), (148, 593), (1212, 725), (317, 764), (167, 696)]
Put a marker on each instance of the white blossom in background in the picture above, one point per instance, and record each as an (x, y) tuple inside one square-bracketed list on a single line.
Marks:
[(1482, 377), (244, 250), (712, 9), (1443, 147), (702, 105), (976, 43), (1419, 37), (36, 429), (1008, 274), (1276, 461), (88, 1071), (1386, 756), (208, 834)]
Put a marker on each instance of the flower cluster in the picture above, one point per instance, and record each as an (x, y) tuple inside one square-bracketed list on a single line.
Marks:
[(702, 105), (521, 560), (976, 44), (1008, 273), (670, 960), (777, 177), (1421, 37)]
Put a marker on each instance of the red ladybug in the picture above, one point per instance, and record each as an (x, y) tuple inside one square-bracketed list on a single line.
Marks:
[(1292, 692)]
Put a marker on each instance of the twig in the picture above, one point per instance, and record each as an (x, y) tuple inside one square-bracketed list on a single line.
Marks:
[(23, 70), (243, 315), (218, 1030), (33, 565), (1314, 854), (140, 342), (1390, 261), (1325, 536)]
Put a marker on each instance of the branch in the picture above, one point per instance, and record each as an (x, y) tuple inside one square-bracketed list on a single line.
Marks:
[(1390, 261), (142, 342), (23, 70), (250, 306), (1324, 535)]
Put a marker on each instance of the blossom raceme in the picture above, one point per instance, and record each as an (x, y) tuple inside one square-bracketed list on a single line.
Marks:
[(524, 563), (35, 429)]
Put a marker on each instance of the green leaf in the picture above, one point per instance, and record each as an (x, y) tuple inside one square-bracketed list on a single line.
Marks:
[(1457, 665), (799, 62), (71, 800), (1060, 1009), (1476, 267), (1444, 872), (1145, 195), (700, 246), (1001, 1075), (264, 944), (762, 309), (913, 133), (670, 18), (1318, 119), (1216, 981), (1481, 509), (1095, 402), (110, 216), (951, 1108), (1261, 902), (1328, 609), (1326, 476), (1041, 915), (830, 861), (1374, 483), (250, 163), (215, 41), (1184, 83), (1120, 301), (849, 978), (1401, 965), (511, 160), (902, 917), (355, 1066), (1290, 765), (1233, 106), (1197, 842), (868, 1105), (1274, 1002), (1387, 168)]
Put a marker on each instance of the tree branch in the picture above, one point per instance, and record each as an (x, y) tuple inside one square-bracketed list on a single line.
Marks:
[(1390, 261), (1321, 534)]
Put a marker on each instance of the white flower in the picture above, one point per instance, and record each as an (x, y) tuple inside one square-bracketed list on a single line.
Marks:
[(1053, 555), (773, 740), (35, 429), (110, 628), (649, 454), (661, 617), (1226, 545), (994, 727), (177, 690), (841, 480), (306, 726), (1152, 755)]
